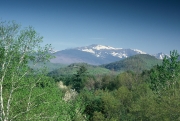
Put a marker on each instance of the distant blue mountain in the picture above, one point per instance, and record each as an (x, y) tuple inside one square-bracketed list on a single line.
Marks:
[(96, 54)]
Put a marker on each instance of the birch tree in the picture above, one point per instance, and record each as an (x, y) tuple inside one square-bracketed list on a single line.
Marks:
[(26, 94)]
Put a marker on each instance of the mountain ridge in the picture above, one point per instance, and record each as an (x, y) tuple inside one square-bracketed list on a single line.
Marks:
[(96, 54)]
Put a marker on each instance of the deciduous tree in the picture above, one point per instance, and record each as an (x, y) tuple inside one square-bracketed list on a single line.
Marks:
[(26, 94), (165, 76)]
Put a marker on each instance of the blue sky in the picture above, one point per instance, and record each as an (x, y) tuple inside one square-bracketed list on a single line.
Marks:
[(149, 25)]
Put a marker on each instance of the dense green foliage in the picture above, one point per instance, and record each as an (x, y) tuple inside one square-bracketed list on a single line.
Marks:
[(133, 96), (165, 76), (69, 74), (26, 93), (152, 95)]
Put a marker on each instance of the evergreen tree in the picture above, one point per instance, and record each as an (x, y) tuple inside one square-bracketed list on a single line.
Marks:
[(80, 78)]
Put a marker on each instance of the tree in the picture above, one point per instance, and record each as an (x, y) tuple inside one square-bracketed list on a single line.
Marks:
[(26, 94), (79, 78), (165, 76)]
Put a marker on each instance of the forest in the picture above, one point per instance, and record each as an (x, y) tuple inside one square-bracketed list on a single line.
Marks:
[(36, 94)]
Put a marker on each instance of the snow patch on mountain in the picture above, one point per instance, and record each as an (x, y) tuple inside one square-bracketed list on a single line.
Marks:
[(114, 53), (97, 55), (120, 55), (139, 51), (88, 50), (102, 51), (160, 55), (102, 47)]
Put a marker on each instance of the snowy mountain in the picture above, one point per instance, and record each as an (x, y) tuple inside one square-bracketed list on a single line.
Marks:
[(96, 54), (104, 51), (160, 55)]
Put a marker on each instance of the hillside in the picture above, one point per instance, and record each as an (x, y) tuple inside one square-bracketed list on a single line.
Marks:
[(135, 63), (72, 69), (50, 66)]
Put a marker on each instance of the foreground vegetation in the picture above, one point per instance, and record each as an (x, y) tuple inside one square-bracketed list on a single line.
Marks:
[(28, 93), (152, 95)]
